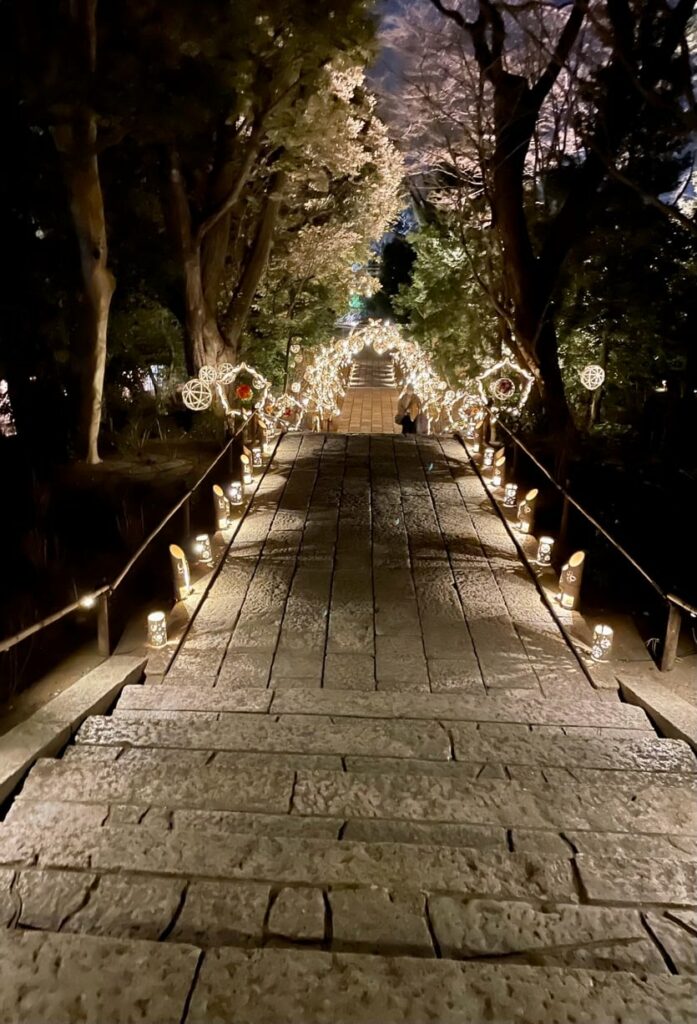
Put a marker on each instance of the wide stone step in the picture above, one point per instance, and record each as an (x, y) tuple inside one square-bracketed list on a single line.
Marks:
[(363, 919), (472, 743), (645, 804), (320, 988), (48, 977), (461, 707)]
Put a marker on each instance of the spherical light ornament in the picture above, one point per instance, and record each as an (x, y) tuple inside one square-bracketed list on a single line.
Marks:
[(295, 349), (592, 376), (209, 374), (197, 395), (295, 387), (226, 373), (503, 389)]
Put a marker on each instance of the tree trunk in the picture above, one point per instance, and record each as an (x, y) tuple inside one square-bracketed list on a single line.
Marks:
[(255, 267), (76, 140)]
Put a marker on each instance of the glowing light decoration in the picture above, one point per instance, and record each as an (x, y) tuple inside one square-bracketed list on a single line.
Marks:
[(510, 495), (88, 601), (602, 642), (257, 456), (221, 507), (526, 512), (570, 581), (247, 475), (208, 374), (203, 549), (544, 550), (505, 385), (157, 629), (497, 478), (488, 460), (592, 376), (226, 373), (235, 493), (197, 395), (180, 572)]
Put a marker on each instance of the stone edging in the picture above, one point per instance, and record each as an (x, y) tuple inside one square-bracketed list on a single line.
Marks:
[(48, 730)]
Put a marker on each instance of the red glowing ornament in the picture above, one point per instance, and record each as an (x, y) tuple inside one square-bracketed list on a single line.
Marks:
[(244, 392)]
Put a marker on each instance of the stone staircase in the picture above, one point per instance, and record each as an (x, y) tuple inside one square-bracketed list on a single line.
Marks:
[(336, 855), (372, 371)]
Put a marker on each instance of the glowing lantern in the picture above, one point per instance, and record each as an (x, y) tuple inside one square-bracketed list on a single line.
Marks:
[(222, 508), (202, 547), (544, 550), (180, 572), (526, 512), (510, 495), (257, 456), (602, 642), (247, 476), (570, 580), (157, 629), (488, 460), (235, 493), (499, 471)]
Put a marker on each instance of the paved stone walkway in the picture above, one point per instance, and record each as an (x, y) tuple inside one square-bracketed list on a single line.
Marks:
[(367, 410), (374, 787)]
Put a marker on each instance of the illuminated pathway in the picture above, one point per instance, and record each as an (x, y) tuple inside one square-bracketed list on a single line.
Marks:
[(374, 787), (370, 403)]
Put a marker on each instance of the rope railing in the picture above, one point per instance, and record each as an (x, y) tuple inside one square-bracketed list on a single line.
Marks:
[(100, 597), (675, 605)]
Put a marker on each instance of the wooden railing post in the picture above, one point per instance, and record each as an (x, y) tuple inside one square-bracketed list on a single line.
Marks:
[(103, 626), (669, 651)]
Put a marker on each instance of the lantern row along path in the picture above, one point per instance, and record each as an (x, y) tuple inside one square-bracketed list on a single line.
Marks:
[(373, 787)]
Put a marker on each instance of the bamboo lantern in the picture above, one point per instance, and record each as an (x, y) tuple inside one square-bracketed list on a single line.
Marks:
[(247, 476), (488, 460), (222, 508), (526, 512), (157, 629), (544, 550), (180, 572), (257, 456), (235, 493), (499, 471), (602, 643), (570, 580), (510, 495), (202, 548)]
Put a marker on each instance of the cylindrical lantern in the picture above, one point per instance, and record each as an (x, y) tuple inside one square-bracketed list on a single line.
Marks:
[(257, 456), (475, 449), (470, 431), (602, 643), (247, 476), (202, 547), (268, 446), (526, 512), (510, 495), (570, 580), (235, 493), (157, 629), (499, 471), (544, 550), (222, 508), (488, 460), (180, 572)]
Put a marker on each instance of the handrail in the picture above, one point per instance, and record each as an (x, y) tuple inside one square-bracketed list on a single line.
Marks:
[(90, 599)]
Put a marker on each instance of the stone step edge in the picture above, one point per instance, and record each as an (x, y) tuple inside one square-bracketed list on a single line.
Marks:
[(49, 729), (673, 716)]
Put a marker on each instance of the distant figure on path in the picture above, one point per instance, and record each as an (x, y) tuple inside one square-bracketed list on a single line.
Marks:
[(408, 412)]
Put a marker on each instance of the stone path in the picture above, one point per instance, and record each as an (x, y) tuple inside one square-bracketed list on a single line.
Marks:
[(375, 786)]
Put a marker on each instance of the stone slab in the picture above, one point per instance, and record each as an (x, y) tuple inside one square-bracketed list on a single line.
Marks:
[(457, 707), (672, 715), (66, 978), (376, 920), (647, 808), (94, 693), (298, 914), (435, 834), (271, 985), (23, 745), (293, 861), (128, 907), (302, 734), (222, 914), (679, 943), (616, 880), (192, 698)]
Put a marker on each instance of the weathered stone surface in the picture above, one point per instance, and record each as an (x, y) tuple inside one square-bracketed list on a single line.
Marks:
[(673, 715), (254, 824), (321, 988), (192, 698), (452, 707), (47, 814), (377, 921), (476, 837), (616, 880), (301, 734), (349, 672), (651, 847), (385, 795), (298, 914), (259, 789), (643, 753), (128, 907), (23, 745), (412, 766), (531, 841), (221, 913), (65, 978), (48, 898), (292, 860), (9, 903), (478, 928), (448, 673), (94, 693), (245, 667), (679, 943)]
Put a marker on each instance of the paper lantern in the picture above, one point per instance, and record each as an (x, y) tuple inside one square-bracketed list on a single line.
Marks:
[(202, 547), (257, 456), (544, 550), (488, 460), (235, 493), (499, 472), (526, 512), (602, 642), (510, 495), (157, 629), (180, 572), (570, 580), (221, 507)]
